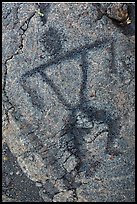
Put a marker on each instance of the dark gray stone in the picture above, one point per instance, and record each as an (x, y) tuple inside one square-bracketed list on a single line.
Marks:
[(55, 56)]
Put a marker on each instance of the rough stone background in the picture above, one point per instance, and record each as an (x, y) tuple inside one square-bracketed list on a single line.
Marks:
[(68, 101)]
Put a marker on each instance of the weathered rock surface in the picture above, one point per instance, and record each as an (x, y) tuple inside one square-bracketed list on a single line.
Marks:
[(55, 56)]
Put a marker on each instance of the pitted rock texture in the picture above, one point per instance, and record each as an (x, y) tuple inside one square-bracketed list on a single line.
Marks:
[(78, 145)]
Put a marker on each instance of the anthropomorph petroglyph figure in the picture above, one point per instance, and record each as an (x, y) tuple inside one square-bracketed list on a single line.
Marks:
[(66, 135)]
